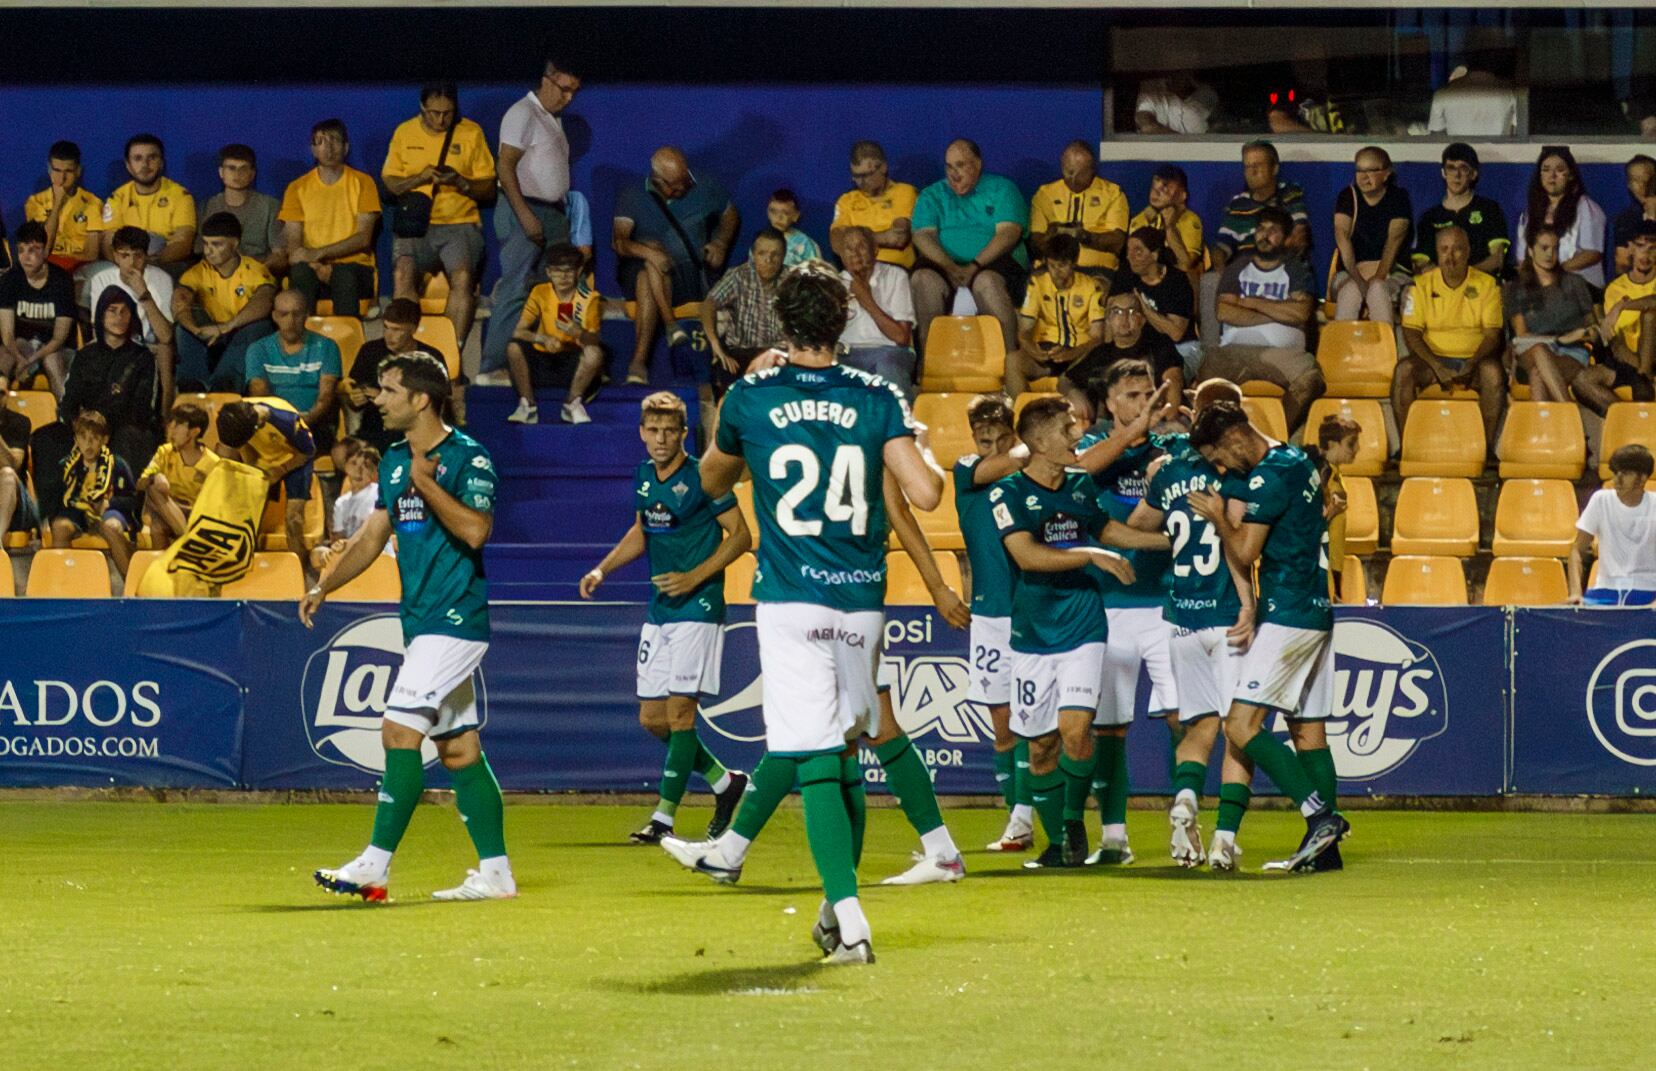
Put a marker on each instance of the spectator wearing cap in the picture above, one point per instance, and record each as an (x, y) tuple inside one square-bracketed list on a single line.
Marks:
[(153, 202), (885, 207), (1479, 217), (968, 232), (261, 238), (1629, 322), (1084, 205), (1452, 330), (1641, 187), (1557, 196), (879, 330), (1168, 210), (68, 210), (1372, 223), (1263, 188), (221, 306), (328, 216)]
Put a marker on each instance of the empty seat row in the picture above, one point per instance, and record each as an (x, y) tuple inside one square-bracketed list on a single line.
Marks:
[(84, 574), (1435, 580)]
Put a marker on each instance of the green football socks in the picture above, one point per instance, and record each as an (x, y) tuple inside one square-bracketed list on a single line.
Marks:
[(1006, 765), (828, 826), (399, 794), (477, 795), (1021, 796), (1283, 767), (855, 794), (682, 750), (1318, 764), (1077, 784), (1110, 778), (1189, 775), (908, 780), (711, 769), (1046, 793), (768, 784), (1233, 804)]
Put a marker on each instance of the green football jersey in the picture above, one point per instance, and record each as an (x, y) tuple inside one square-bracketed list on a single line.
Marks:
[(681, 530), (991, 572), (1122, 486), (813, 438), (1053, 612), (1285, 491), (1201, 593), (443, 590)]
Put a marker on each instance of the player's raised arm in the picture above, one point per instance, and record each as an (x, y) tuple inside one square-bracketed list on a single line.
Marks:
[(913, 541), (366, 546), (1101, 455), (628, 549)]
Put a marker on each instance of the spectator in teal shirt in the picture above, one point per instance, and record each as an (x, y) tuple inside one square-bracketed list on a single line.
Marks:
[(968, 230), (298, 366)]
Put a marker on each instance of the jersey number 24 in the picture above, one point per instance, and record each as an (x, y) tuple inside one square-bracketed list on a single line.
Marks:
[(845, 501)]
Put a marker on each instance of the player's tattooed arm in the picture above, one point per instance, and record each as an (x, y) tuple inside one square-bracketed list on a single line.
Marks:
[(737, 541), (628, 549), (913, 541)]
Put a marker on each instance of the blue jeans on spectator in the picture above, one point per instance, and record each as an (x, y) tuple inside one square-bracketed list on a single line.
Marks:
[(519, 261), (223, 365), (895, 363)]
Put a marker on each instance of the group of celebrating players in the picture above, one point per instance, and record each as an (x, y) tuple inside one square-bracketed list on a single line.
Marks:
[(1090, 553)]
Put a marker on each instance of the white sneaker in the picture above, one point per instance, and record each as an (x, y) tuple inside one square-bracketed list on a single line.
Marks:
[(1225, 855), (1187, 834), (477, 886), (1019, 836), (1111, 853), (498, 378), (524, 414), (928, 870), (702, 856), (574, 412), (850, 955), (356, 878)]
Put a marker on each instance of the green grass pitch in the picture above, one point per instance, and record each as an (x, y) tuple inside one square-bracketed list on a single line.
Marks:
[(183, 936)]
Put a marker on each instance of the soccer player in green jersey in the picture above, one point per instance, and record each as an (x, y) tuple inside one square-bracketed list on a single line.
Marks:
[(1050, 520), (437, 494), (1275, 518), (818, 438), (689, 539)]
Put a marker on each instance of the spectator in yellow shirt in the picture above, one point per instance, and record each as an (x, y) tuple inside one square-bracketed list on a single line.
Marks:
[(453, 243), (1453, 328), (1062, 318), (68, 210), (883, 206), (1085, 206), (1629, 325), (223, 305), (1169, 211), (328, 217), (172, 480), (560, 320), (153, 202)]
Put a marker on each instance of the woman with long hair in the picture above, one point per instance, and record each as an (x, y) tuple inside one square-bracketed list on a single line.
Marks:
[(1551, 315), (1373, 220), (1164, 292), (1557, 196)]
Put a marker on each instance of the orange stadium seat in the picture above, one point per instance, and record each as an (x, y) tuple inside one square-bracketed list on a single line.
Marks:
[(141, 561), (8, 579), (1259, 388), (945, 418), (940, 526), (38, 405), (1353, 581), (1266, 414), (346, 331), (380, 582), (1443, 439), (276, 575), (1535, 519), (738, 580), (273, 525), (1362, 516), (904, 586), (1543, 439), (1435, 515), (1626, 423), (1526, 582), (1357, 358), (1372, 445), (434, 294), (964, 353), (437, 332), (1416, 580), (68, 574)]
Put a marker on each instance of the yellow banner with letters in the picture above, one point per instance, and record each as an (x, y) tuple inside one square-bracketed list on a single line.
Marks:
[(218, 541)]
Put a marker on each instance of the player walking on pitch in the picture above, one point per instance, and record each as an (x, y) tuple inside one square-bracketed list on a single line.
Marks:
[(437, 493), (690, 539), (818, 438)]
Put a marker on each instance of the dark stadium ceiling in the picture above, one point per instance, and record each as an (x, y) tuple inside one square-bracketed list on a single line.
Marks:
[(447, 5)]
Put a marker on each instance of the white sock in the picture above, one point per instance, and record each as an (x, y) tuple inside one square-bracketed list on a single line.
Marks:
[(1223, 838), (826, 916), (663, 817), (732, 846), (1023, 812), (853, 924), (1313, 803), (938, 844), (378, 859), (1116, 832), (1186, 796), (722, 783), (498, 869)]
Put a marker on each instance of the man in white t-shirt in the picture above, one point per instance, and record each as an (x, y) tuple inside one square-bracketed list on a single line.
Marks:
[(1474, 104), (879, 335), (1177, 104), (1622, 518), (1264, 306)]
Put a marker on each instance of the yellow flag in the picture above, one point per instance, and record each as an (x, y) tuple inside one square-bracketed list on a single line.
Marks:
[(218, 541)]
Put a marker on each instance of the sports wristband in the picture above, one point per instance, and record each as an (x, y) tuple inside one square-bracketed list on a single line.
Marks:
[(596, 572)]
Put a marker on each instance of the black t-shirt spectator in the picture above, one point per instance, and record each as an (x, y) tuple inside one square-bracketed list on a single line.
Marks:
[(36, 309), (1624, 226), (1170, 297), (1152, 346), (1482, 220), (14, 432), (365, 373), (119, 383), (1370, 223)]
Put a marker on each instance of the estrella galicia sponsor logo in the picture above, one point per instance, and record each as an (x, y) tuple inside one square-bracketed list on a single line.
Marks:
[(1389, 698), (1621, 702), (345, 687)]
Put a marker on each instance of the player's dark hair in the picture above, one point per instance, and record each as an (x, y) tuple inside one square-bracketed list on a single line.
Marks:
[(771, 234), (1155, 242), (1172, 173), (563, 255), (402, 311), (441, 89), (136, 238), (238, 151), (811, 304), (68, 150), (422, 373), (1213, 422), (90, 420), (1041, 412), (1633, 458), (221, 225), (989, 410), (330, 126), (784, 196), (1128, 368), (143, 139), (1273, 214), (190, 415), (1064, 248), (237, 422), (30, 231), (1207, 387), (664, 403)]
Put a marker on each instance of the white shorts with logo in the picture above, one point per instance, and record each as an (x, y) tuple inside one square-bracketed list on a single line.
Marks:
[(1138, 634), (818, 666), (1044, 684), (433, 692), (1207, 668), (680, 658), (990, 661), (1320, 696), (1280, 667)]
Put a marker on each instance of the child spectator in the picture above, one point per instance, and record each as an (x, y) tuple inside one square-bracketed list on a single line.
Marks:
[(1622, 518), (1336, 447), (559, 323), (99, 495), (355, 503), (783, 212), (172, 480), (1062, 318)]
